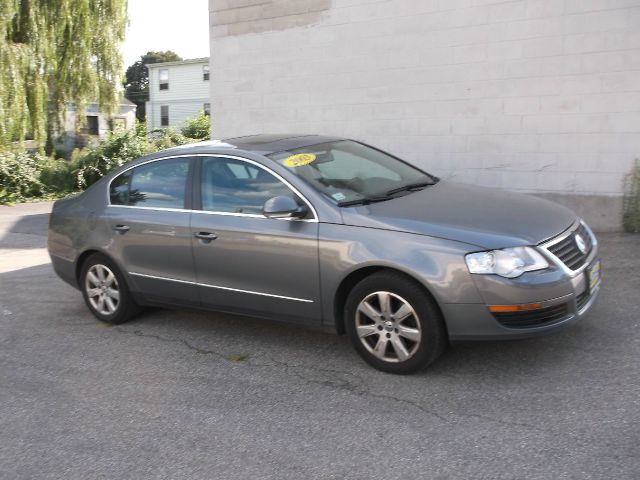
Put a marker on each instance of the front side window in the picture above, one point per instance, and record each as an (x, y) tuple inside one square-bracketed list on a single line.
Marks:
[(160, 184), (235, 186), (164, 115), (348, 171), (205, 72), (163, 76)]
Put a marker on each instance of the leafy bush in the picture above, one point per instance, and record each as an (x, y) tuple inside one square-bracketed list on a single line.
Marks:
[(198, 128), (631, 215), (114, 150), (118, 148), (25, 176), (19, 176), (56, 175)]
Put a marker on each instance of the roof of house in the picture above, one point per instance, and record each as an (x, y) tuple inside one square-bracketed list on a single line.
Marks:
[(178, 62)]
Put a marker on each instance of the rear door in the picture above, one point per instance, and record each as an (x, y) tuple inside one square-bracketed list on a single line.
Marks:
[(244, 261), (149, 214)]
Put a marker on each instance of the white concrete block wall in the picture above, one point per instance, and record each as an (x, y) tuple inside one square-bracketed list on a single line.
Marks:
[(538, 96)]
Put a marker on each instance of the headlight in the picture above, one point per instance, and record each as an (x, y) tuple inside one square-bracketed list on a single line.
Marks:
[(508, 262)]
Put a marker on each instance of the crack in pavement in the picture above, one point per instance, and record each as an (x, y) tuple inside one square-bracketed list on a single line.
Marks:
[(201, 351), (356, 386), (360, 390)]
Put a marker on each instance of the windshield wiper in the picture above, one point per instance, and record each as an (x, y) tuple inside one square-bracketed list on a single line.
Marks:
[(410, 187), (363, 201), (388, 195)]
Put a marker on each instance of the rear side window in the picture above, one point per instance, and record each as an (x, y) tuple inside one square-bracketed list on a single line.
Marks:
[(119, 191), (159, 184)]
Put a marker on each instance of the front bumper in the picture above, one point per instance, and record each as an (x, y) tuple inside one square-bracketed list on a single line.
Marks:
[(564, 296), (475, 322)]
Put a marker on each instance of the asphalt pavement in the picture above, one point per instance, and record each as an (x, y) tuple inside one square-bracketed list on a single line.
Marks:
[(180, 394)]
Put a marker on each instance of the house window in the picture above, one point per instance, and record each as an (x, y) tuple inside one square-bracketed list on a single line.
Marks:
[(92, 125), (118, 124), (164, 78), (207, 109), (205, 72), (164, 115)]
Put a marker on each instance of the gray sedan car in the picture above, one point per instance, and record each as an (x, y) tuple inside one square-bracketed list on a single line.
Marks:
[(325, 232)]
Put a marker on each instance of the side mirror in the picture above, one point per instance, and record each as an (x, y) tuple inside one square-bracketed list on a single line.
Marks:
[(283, 207)]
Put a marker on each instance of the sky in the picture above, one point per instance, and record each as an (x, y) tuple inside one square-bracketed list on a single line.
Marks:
[(178, 25)]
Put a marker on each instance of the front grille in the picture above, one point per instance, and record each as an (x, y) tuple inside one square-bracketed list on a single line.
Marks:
[(532, 318), (582, 299), (567, 249)]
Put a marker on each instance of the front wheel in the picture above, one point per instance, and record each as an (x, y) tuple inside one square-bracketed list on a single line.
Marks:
[(394, 324), (105, 291)]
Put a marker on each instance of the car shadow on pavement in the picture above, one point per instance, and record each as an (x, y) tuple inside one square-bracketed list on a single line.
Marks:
[(29, 231), (239, 339)]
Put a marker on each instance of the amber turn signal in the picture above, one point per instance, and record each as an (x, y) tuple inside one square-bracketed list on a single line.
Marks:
[(514, 308)]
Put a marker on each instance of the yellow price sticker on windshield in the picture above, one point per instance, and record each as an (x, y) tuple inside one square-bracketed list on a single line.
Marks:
[(299, 160)]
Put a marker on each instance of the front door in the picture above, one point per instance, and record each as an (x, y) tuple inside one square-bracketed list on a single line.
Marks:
[(248, 263), (151, 232)]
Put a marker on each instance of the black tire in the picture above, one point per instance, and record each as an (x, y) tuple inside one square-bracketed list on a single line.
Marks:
[(426, 318), (125, 308)]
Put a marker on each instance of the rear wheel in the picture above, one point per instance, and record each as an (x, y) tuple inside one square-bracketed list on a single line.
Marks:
[(394, 324), (105, 291)]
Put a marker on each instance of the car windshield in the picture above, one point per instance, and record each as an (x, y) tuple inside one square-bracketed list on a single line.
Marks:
[(351, 173)]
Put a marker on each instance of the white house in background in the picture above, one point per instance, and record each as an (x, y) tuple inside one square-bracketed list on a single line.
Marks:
[(95, 124), (177, 91)]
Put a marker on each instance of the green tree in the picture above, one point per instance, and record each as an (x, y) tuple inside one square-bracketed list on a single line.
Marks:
[(198, 127), (136, 82), (52, 53)]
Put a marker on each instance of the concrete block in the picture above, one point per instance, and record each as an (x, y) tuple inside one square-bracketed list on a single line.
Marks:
[(521, 105), (577, 6), (507, 11), (560, 104), (580, 84), (628, 81), (469, 53), (543, 47), (535, 86), (504, 51), (502, 143), (544, 8), (611, 102), (535, 28)]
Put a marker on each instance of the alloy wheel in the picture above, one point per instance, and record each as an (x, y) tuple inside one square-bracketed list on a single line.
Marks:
[(102, 289), (388, 326)]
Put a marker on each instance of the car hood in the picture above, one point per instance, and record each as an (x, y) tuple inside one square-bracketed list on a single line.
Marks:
[(486, 217)]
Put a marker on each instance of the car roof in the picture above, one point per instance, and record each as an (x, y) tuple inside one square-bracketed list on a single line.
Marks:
[(268, 143), (263, 144)]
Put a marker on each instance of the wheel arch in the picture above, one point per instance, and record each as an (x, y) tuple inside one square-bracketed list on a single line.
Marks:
[(83, 258), (355, 276), (90, 251)]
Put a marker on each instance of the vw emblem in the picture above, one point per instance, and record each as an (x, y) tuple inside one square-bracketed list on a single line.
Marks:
[(581, 245)]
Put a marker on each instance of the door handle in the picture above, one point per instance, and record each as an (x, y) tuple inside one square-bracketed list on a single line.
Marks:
[(121, 228), (206, 236)]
